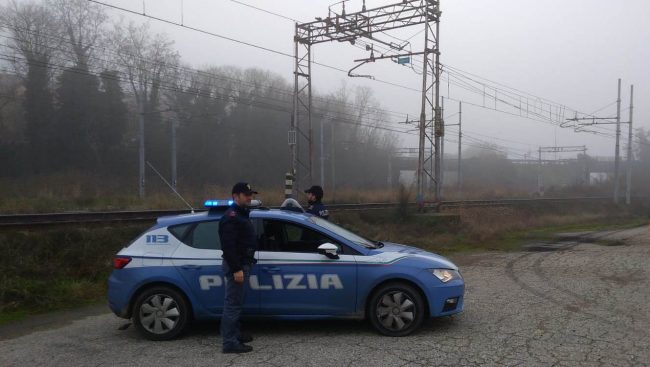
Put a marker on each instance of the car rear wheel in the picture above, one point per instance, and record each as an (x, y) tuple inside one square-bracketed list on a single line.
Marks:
[(160, 313), (396, 309)]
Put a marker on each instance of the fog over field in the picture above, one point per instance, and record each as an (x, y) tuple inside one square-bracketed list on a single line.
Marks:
[(213, 84)]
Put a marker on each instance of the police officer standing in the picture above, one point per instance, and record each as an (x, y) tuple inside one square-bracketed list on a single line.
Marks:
[(238, 243), (314, 198)]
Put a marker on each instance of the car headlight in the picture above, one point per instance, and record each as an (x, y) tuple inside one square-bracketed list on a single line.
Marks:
[(445, 275)]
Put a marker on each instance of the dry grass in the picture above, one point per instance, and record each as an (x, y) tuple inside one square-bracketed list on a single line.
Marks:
[(484, 228), (485, 224), (82, 192), (73, 191)]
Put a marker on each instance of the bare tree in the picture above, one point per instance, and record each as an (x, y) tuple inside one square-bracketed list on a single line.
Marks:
[(34, 34), (82, 22), (148, 61)]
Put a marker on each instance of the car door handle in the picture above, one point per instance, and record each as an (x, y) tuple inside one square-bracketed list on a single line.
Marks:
[(191, 267), (271, 269)]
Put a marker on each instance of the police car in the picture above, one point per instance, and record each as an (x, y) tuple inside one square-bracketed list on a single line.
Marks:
[(307, 268)]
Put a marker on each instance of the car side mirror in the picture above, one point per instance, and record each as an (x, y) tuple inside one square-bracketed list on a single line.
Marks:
[(329, 249)]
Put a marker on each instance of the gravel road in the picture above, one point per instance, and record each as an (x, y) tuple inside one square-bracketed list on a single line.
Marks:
[(575, 304)]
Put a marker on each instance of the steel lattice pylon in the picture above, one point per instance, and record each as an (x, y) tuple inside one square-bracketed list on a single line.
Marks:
[(368, 24), (302, 106)]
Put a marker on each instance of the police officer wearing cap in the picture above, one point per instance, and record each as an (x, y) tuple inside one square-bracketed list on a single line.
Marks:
[(239, 244), (314, 198)]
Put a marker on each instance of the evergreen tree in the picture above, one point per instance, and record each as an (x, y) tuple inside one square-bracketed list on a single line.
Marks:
[(38, 113), (30, 25), (112, 119), (77, 123)]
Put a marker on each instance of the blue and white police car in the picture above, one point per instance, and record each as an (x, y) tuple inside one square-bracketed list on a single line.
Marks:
[(307, 268)]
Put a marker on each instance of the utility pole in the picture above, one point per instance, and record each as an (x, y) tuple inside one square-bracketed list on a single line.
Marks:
[(618, 137), (141, 145), (442, 148), (460, 137), (539, 171), (174, 176), (294, 131), (586, 170), (628, 186), (390, 172), (420, 179), (438, 123), (332, 160), (322, 153)]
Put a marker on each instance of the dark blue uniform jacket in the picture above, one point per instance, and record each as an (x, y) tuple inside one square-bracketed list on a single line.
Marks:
[(319, 209), (238, 240)]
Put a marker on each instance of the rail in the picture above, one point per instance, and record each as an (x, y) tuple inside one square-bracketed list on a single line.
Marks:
[(55, 219)]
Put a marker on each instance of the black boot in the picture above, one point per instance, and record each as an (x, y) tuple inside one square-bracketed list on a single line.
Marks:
[(245, 338), (239, 348)]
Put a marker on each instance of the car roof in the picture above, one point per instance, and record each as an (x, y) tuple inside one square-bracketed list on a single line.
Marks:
[(215, 215), (281, 214)]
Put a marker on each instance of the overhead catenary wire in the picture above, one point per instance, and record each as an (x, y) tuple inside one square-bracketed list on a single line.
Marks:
[(211, 75), (231, 39), (238, 80), (258, 104), (265, 48), (514, 93), (228, 98), (252, 45), (265, 11), (482, 143)]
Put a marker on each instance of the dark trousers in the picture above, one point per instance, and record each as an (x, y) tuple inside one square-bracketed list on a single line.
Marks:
[(232, 306)]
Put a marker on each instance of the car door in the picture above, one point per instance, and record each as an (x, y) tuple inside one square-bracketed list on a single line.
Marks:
[(199, 261), (294, 279)]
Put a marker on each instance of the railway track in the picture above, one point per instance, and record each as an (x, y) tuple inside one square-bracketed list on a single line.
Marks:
[(68, 218)]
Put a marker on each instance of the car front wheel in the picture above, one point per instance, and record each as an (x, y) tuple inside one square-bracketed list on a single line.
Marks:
[(396, 309), (160, 313)]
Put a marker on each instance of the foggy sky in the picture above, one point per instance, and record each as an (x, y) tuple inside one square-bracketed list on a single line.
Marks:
[(568, 51)]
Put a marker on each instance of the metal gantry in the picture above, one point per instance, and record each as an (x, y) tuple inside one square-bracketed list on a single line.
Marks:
[(370, 24), (555, 149), (592, 120)]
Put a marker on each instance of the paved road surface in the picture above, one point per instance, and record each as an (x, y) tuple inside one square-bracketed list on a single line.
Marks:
[(580, 305)]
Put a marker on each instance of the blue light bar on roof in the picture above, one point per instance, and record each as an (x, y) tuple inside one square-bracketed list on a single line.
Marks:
[(216, 203)]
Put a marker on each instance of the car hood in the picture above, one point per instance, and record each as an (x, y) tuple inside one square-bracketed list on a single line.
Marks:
[(390, 247)]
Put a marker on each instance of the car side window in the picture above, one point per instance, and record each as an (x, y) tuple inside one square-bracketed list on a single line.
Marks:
[(289, 237), (205, 235), (294, 233), (180, 231)]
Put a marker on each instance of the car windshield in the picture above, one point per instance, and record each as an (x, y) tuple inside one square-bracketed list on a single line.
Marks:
[(342, 232)]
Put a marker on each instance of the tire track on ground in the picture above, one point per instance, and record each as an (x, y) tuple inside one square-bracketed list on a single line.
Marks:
[(582, 299), (510, 272)]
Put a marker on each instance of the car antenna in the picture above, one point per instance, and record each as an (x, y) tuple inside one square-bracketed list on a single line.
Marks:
[(170, 186)]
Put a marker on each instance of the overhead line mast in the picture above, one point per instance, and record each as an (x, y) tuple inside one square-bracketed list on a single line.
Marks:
[(369, 24), (618, 123)]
